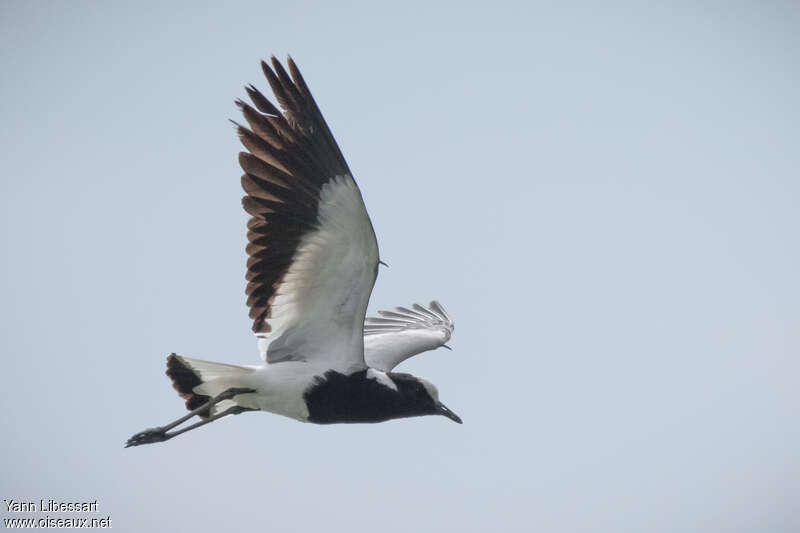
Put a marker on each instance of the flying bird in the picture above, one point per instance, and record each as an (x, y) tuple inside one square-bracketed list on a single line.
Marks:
[(313, 260)]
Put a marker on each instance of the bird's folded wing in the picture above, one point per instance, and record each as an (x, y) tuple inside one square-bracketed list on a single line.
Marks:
[(313, 256), (402, 333)]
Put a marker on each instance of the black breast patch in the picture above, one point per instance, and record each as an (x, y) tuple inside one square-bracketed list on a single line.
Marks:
[(355, 398)]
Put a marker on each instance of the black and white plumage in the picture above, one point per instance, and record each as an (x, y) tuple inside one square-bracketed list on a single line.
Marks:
[(313, 260)]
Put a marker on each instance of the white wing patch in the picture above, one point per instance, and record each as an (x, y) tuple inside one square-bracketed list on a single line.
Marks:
[(320, 303), (403, 333), (381, 378)]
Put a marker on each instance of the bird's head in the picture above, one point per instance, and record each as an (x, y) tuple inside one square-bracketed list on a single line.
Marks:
[(422, 395)]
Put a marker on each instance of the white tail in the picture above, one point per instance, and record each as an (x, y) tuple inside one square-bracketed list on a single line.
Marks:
[(197, 381)]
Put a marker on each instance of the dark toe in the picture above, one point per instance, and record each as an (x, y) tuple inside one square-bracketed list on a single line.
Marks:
[(147, 436)]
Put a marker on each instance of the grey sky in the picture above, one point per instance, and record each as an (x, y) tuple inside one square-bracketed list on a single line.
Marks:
[(604, 199)]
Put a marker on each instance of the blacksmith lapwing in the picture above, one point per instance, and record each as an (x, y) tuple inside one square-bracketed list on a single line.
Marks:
[(313, 260)]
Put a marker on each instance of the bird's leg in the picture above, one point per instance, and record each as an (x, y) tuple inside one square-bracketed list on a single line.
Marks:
[(160, 434), (235, 410)]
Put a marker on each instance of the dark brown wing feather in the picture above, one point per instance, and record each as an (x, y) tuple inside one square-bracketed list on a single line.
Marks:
[(291, 155)]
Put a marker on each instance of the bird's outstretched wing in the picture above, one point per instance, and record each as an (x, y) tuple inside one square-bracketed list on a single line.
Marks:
[(402, 333), (313, 257)]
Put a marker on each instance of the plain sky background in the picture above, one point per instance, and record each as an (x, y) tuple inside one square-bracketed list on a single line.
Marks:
[(604, 198)]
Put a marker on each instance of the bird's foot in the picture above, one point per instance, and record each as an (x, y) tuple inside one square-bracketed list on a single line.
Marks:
[(148, 436), (230, 393)]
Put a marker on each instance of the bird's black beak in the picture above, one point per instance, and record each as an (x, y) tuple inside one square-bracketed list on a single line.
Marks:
[(444, 411)]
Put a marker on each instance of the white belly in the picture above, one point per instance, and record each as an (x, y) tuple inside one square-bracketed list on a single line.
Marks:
[(280, 388)]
